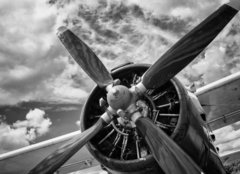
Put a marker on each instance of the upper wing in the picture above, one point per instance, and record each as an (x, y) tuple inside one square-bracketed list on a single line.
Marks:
[(221, 101), (24, 159)]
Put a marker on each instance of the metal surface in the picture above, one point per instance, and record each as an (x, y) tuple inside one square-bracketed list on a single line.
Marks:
[(187, 48), (167, 153), (22, 160), (142, 160), (221, 101), (122, 98), (54, 161), (85, 57)]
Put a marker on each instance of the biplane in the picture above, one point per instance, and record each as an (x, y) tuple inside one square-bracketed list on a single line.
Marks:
[(140, 118)]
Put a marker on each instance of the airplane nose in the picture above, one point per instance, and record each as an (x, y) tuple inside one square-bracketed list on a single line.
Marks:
[(115, 92), (119, 97)]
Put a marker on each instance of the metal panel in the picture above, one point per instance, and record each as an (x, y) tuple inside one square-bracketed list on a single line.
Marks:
[(221, 101)]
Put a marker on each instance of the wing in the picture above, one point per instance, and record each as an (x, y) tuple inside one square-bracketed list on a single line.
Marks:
[(229, 158), (24, 159), (221, 101)]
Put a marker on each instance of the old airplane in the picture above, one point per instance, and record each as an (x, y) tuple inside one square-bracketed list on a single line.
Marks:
[(141, 119)]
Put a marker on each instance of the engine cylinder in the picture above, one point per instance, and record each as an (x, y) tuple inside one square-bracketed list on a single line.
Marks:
[(120, 148)]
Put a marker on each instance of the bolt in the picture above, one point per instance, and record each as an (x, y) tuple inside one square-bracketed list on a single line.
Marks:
[(121, 113)]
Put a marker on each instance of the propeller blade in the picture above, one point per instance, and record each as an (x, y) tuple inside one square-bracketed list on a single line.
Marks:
[(170, 157), (54, 161), (187, 48), (85, 57)]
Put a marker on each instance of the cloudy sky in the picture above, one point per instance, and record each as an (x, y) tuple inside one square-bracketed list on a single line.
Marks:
[(42, 90)]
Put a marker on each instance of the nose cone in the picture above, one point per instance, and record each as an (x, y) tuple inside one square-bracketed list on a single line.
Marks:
[(115, 92), (119, 97)]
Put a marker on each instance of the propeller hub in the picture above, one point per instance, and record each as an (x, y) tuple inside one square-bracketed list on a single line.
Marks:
[(119, 97)]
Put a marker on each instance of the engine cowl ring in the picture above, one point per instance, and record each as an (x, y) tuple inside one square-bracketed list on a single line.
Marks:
[(116, 145)]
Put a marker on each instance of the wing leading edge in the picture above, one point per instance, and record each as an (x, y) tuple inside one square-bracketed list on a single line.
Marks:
[(24, 159)]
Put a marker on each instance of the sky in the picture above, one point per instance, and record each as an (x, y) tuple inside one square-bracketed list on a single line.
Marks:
[(42, 89)]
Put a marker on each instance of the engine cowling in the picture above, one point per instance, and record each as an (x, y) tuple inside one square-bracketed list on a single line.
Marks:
[(119, 146)]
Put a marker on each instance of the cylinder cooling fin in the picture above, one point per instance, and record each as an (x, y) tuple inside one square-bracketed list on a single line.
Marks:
[(119, 146)]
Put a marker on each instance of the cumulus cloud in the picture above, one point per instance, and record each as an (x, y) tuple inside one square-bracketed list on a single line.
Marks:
[(140, 31), (31, 57), (118, 32), (34, 65), (185, 8), (12, 139), (22, 133), (220, 59)]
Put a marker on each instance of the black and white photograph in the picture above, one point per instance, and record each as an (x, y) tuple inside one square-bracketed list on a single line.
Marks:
[(119, 87)]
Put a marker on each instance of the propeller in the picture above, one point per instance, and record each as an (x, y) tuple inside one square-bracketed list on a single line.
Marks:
[(167, 153), (92, 65), (85, 57), (55, 160), (187, 48), (170, 157)]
